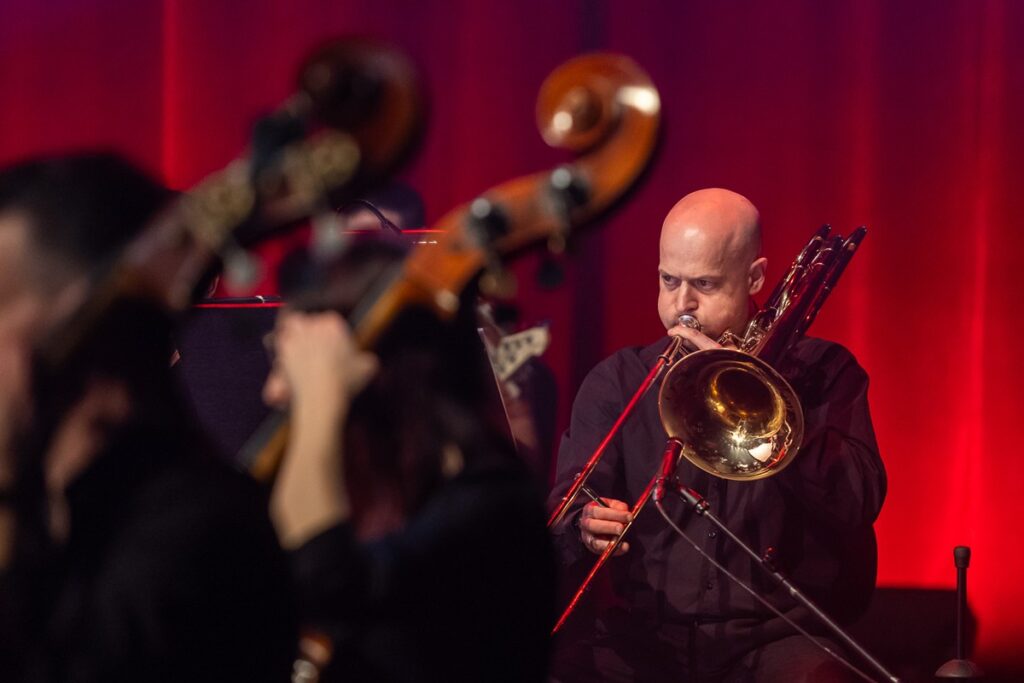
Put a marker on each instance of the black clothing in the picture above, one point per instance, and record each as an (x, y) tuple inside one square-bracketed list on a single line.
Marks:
[(667, 611), (793, 659), (171, 572), (464, 592)]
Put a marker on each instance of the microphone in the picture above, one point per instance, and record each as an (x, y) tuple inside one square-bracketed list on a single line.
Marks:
[(961, 667), (669, 462), (962, 560)]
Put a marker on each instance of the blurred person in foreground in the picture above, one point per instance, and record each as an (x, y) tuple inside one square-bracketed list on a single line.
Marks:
[(128, 552), (418, 539)]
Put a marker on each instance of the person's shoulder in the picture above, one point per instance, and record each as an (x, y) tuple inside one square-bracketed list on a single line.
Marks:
[(192, 497), (816, 366), (815, 350)]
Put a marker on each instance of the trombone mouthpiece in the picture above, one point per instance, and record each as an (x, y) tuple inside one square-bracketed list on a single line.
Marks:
[(687, 320)]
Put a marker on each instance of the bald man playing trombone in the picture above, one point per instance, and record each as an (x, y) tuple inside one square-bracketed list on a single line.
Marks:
[(665, 612)]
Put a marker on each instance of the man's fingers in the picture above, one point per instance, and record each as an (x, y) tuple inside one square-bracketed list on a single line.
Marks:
[(617, 511), (621, 516), (598, 546), (693, 338), (599, 527)]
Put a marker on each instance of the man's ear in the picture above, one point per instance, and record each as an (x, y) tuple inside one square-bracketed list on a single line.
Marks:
[(755, 275)]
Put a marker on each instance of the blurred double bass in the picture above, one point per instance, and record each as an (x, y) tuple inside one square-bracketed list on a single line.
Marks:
[(602, 106), (353, 117)]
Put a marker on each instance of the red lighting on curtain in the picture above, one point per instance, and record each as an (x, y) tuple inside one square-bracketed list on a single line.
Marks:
[(907, 117)]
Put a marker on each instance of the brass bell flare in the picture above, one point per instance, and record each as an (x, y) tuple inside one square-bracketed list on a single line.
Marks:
[(738, 418)]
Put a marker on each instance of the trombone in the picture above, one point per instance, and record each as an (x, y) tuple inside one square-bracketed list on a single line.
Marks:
[(727, 410)]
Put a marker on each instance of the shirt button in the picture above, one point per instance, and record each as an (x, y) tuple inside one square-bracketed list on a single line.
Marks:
[(709, 585), (712, 533)]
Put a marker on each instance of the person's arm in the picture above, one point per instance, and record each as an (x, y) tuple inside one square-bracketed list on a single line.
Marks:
[(838, 475), (324, 370), (602, 521), (598, 404), (309, 495)]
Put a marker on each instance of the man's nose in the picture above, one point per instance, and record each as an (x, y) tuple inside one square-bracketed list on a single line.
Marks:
[(686, 300)]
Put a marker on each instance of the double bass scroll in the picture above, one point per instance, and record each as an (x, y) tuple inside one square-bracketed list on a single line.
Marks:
[(600, 105)]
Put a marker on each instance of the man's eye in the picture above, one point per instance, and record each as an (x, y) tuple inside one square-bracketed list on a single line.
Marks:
[(669, 280), (705, 284)]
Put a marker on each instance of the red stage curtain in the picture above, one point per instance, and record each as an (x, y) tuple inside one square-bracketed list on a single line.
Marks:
[(905, 116)]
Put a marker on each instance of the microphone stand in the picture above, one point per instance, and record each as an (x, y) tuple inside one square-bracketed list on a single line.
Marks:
[(961, 667), (701, 507)]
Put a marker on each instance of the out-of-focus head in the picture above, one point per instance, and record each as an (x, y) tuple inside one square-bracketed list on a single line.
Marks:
[(78, 211), (433, 389), (62, 220), (709, 261)]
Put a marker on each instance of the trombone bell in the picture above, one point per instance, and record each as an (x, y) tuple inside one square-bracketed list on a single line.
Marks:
[(739, 418)]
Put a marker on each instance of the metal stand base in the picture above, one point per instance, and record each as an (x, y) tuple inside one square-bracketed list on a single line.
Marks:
[(959, 668)]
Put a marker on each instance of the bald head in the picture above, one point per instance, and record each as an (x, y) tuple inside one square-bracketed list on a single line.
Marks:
[(710, 261), (716, 219)]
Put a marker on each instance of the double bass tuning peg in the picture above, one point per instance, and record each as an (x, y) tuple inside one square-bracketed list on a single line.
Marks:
[(498, 282), (487, 222), (569, 188)]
